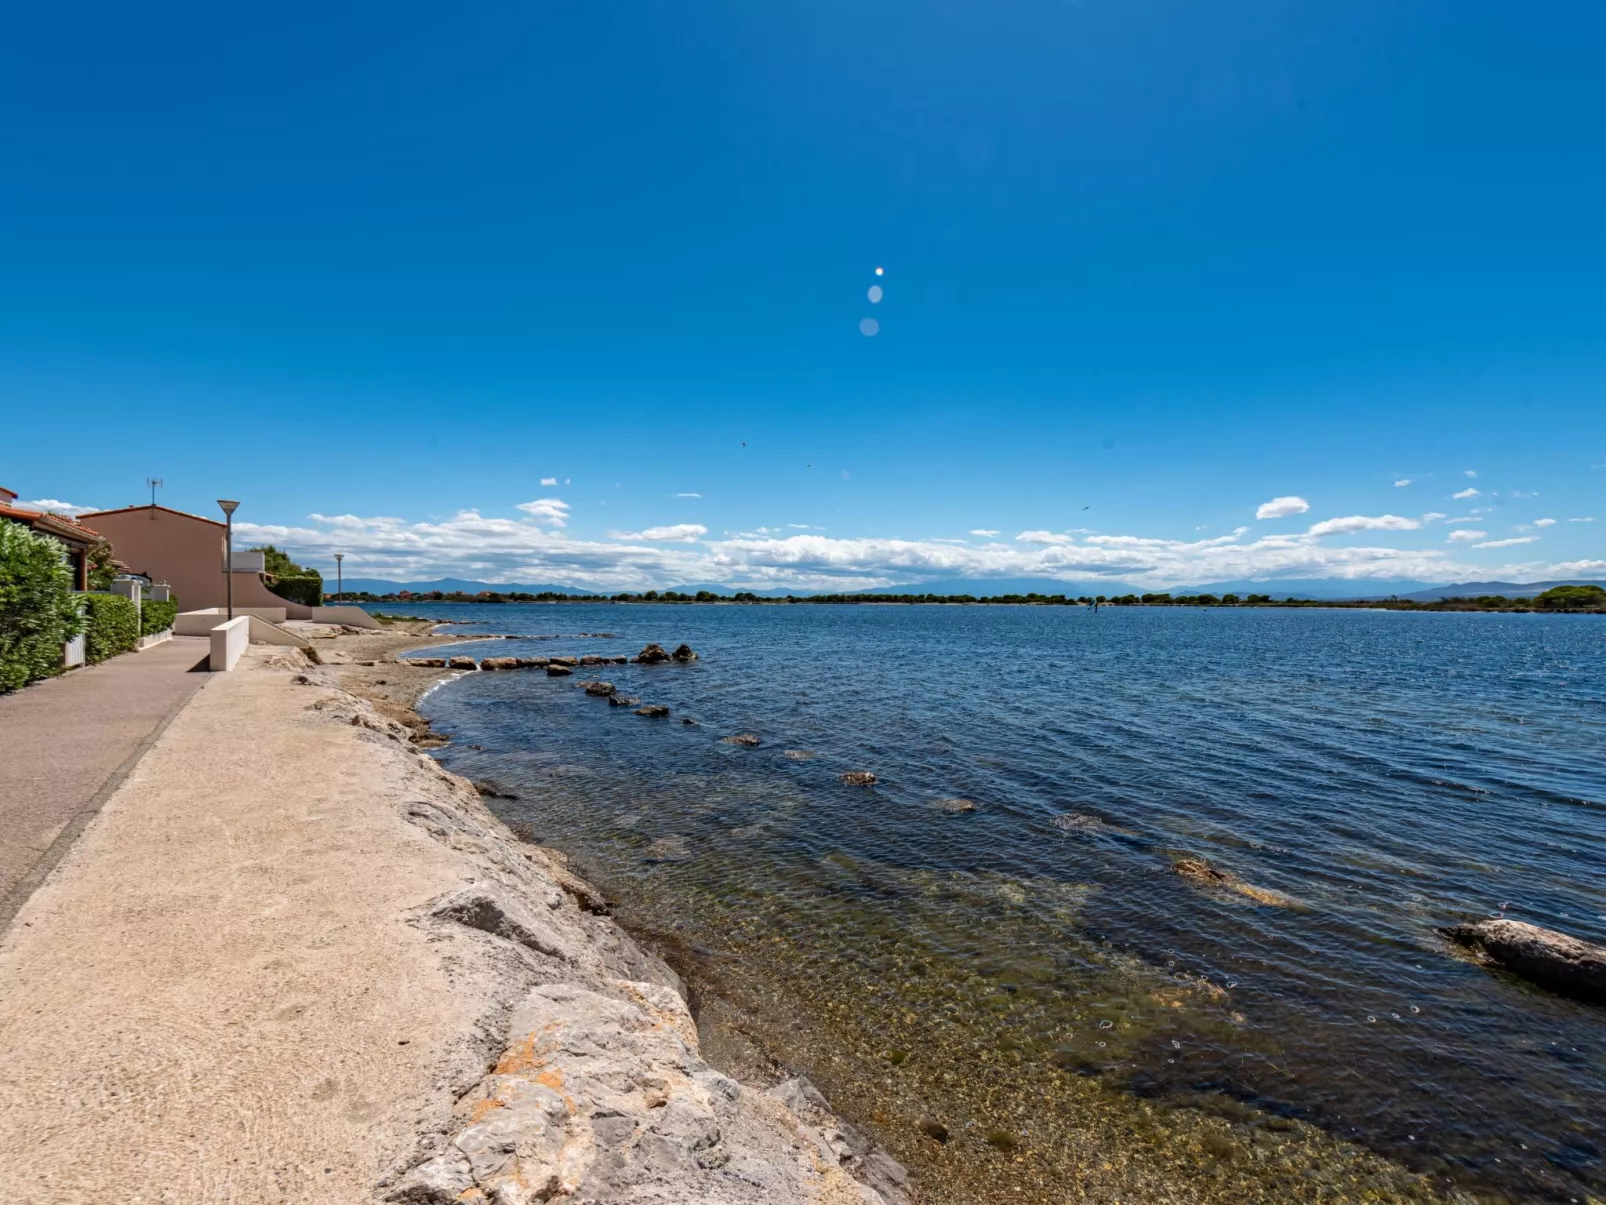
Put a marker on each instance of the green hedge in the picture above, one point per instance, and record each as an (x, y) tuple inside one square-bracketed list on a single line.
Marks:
[(38, 609), (157, 617), (113, 626), (308, 591)]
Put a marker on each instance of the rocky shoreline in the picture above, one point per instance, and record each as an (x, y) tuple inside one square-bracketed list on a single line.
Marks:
[(599, 1090)]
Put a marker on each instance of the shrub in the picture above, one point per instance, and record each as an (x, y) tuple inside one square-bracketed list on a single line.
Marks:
[(38, 609), (308, 591), (157, 617), (113, 626), (1572, 598)]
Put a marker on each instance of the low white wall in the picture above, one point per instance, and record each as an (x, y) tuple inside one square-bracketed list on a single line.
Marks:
[(201, 623), (352, 617), (263, 632), (228, 642)]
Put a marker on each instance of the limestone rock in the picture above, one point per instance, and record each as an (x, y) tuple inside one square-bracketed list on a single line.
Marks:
[(532, 662), (425, 662), (653, 709), (683, 654), (1562, 963), (859, 778), (571, 662), (619, 700), (746, 739), (556, 669), (499, 663), (462, 663), (600, 689), (492, 911), (591, 659), (653, 654)]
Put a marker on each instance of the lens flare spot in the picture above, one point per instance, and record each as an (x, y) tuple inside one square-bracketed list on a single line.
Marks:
[(880, 271), (869, 327), (876, 294)]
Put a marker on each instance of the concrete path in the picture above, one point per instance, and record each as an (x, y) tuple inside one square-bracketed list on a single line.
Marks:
[(65, 744)]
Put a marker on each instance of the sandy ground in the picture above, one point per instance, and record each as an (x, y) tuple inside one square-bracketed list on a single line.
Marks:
[(292, 960), (199, 1003)]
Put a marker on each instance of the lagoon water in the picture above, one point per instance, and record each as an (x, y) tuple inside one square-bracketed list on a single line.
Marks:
[(1374, 774)]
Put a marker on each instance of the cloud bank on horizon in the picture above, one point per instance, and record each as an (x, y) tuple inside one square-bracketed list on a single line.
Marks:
[(535, 548)]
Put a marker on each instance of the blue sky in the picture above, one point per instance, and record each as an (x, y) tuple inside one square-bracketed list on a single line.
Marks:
[(1149, 265)]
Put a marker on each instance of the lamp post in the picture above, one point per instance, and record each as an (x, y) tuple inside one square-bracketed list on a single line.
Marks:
[(340, 582), (228, 505)]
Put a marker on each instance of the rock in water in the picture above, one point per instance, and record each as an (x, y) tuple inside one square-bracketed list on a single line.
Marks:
[(558, 671), (462, 663), (499, 663), (619, 700), (1202, 874), (745, 739), (653, 654), (683, 654), (1564, 964), (599, 688), (571, 662), (653, 709), (859, 778), (956, 805), (425, 662)]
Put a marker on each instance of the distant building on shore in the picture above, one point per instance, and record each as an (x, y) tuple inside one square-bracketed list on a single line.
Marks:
[(188, 553)]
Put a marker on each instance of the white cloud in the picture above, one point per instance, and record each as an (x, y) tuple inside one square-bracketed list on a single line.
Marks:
[(1402, 483), (674, 531), (1466, 535), (1504, 543), (529, 548), (1585, 519), (1470, 472), (1579, 568), (549, 481), (1281, 508), (688, 495), (1354, 523), (54, 506), (1044, 537), (1433, 516), (554, 512), (1469, 492), (1544, 522), (983, 531)]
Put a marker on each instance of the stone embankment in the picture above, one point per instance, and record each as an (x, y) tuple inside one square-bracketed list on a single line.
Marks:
[(295, 961)]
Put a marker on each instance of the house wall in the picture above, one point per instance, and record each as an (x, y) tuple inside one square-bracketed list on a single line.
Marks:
[(186, 551)]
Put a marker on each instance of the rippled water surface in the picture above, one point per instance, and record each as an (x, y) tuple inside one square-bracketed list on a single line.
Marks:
[(1366, 775)]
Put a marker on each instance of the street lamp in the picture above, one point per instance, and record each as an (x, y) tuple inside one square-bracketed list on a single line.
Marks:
[(340, 588), (228, 505)]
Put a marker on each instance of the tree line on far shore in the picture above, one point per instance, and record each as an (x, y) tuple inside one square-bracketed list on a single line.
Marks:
[(1559, 598)]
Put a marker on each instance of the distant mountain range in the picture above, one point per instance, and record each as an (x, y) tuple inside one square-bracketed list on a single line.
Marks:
[(1303, 588)]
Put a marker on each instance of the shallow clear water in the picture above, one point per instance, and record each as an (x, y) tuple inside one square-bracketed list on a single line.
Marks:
[(1376, 774)]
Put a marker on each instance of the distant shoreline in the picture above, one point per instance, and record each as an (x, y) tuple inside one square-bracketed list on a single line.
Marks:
[(1566, 600)]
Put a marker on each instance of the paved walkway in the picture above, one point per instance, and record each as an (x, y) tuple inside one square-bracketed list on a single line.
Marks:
[(65, 744)]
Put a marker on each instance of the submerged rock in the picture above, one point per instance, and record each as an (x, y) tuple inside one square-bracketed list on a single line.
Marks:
[(653, 709), (653, 654), (746, 739), (859, 778), (955, 805), (669, 849), (683, 654), (1562, 963), (462, 663), (1202, 874), (601, 689), (619, 700), (491, 789), (555, 670), (798, 754)]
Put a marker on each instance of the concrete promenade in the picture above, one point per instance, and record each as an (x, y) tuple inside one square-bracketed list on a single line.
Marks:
[(65, 744)]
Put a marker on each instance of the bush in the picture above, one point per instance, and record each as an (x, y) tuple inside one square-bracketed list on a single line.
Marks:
[(1572, 598), (308, 591), (157, 617), (113, 626), (38, 609)]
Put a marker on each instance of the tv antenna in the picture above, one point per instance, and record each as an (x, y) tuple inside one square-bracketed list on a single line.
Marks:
[(155, 483)]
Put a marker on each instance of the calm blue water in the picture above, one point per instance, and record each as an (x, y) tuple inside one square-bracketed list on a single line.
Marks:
[(1381, 773)]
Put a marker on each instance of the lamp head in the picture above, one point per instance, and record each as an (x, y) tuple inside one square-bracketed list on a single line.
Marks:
[(228, 505), (340, 556)]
